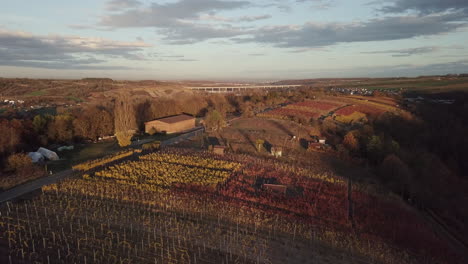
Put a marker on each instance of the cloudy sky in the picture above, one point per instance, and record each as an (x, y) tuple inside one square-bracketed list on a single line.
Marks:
[(232, 39)]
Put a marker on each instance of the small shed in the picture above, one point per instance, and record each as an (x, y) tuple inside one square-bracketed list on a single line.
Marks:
[(219, 150), (171, 124), (322, 141), (277, 151)]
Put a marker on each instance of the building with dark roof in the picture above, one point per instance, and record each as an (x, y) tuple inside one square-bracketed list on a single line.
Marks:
[(170, 124)]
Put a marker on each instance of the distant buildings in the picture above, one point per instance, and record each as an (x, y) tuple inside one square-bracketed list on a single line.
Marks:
[(363, 91), (171, 124), (318, 144), (13, 102)]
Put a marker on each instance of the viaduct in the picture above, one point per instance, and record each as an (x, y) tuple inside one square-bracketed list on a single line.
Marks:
[(232, 89)]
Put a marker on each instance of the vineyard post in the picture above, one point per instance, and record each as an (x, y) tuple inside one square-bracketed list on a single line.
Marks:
[(350, 201), (294, 236)]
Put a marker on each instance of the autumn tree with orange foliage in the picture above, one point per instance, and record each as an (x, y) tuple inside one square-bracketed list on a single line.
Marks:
[(351, 142)]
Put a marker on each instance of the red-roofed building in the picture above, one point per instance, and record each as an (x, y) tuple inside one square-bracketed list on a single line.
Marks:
[(170, 124)]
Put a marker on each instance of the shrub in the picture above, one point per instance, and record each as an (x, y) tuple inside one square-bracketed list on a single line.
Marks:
[(152, 131), (155, 145), (124, 138), (19, 161), (352, 118)]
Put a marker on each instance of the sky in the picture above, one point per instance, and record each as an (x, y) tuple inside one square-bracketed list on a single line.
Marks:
[(250, 40)]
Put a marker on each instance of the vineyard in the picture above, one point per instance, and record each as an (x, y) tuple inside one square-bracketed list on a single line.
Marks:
[(307, 109), (181, 206), (318, 106), (373, 106), (103, 161), (344, 106)]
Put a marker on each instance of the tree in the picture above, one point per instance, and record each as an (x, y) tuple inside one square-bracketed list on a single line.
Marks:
[(246, 110), (350, 142), (395, 173), (40, 123), (93, 122), (375, 149), (61, 128), (11, 135), (124, 121), (214, 120), (219, 103)]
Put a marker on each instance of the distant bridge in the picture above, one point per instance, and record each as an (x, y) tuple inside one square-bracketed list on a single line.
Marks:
[(231, 89)]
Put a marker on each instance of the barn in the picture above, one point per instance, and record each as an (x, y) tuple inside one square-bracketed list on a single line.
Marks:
[(170, 124)]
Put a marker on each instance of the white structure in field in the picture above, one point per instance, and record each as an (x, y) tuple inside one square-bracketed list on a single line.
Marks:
[(48, 154)]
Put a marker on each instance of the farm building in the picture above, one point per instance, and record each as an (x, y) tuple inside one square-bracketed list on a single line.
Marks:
[(170, 124)]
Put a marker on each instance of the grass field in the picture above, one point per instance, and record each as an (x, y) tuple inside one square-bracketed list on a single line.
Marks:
[(413, 84)]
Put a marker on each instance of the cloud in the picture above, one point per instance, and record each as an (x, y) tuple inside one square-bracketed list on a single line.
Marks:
[(426, 6), (189, 32), (285, 5), (252, 18), (169, 57), (210, 17), (116, 5), (455, 67), (64, 52), (318, 4), (191, 21), (402, 70), (406, 52), (302, 50), (168, 14), (180, 22), (412, 51), (382, 29)]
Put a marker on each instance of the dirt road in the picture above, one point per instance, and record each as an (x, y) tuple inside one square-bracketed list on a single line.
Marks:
[(33, 185)]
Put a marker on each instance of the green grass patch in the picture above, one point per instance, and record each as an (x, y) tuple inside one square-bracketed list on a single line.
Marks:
[(407, 84), (75, 99), (83, 153), (37, 93)]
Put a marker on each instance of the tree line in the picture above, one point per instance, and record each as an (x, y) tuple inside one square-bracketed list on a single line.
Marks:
[(123, 117)]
